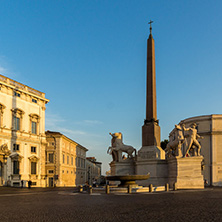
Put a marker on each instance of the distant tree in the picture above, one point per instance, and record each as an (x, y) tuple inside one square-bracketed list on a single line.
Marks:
[(163, 144)]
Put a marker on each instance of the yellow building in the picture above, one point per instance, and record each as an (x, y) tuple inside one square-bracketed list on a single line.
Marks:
[(65, 161), (93, 170), (210, 127), (22, 134)]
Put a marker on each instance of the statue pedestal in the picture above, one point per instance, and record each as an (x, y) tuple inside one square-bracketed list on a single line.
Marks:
[(125, 167), (185, 172)]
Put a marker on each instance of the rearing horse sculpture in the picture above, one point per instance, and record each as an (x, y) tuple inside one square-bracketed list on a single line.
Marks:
[(118, 147), (176, 140)]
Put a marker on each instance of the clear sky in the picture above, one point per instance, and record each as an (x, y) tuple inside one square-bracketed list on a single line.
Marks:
[(89, 57)]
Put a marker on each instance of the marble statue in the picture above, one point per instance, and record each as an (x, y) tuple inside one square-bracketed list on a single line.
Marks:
[(4, 149), (118, 147), (4, 153), (186, 138), (176, 139), (191, 141)]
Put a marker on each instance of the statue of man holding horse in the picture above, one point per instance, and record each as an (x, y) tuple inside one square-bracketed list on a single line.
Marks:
[(191, 141)]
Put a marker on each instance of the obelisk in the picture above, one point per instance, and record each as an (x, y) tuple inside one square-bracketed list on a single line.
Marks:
[(151, 128), (151, 149)]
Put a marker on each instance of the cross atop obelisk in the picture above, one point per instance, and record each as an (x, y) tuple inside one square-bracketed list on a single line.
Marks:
[(151, 129), (150, 23)]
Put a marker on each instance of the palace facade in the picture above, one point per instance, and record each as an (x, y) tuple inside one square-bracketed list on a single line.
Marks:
[(22, 134)]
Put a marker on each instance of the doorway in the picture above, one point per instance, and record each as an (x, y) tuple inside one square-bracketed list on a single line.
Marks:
[(51, 183)]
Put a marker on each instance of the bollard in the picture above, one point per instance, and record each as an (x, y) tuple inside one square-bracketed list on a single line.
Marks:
[(129, 188), (166, 187), (107, 189), (90, 189), (175, 186), (80, 188), (151, 188)]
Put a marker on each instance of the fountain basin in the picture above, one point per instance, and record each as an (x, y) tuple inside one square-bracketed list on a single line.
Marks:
[(127, 180)]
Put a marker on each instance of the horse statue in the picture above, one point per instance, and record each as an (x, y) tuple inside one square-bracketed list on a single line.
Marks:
[(176, 140), (118, 147)]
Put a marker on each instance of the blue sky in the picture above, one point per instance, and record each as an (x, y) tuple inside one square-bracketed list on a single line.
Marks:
[(89, 57)]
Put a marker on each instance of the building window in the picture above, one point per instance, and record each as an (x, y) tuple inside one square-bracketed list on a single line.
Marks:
[(33, 149), (34, 100), (15, 167), (15, 147), (34, 123), (63, 158), (16, 121), (51, 171), (51, 158), (17, 94), (33, 167), (67, 159), (72, 160), (78, 162), (34, 127), (2, 107)]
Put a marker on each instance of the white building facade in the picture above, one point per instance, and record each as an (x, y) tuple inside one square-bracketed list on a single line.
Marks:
[(22, 134)]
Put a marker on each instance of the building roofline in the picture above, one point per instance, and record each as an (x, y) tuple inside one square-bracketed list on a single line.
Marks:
[(91, 160), (211, 116), (62, 135), (23, 88)]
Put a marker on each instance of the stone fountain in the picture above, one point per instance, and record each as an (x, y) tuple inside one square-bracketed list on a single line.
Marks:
[(126, 180), (123, 167)]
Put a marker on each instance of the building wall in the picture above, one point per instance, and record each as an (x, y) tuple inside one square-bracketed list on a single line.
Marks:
[(27, 104), (80, 165), (65, 163), (93, 171), (210, 127)]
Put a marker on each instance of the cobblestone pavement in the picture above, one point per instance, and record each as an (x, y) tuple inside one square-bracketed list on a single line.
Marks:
[(63, 205)]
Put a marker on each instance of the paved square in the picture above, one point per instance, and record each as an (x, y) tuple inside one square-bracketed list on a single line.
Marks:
[(62, 205)]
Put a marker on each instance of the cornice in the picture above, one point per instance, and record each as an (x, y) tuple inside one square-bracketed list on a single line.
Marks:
[(5, 81)]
